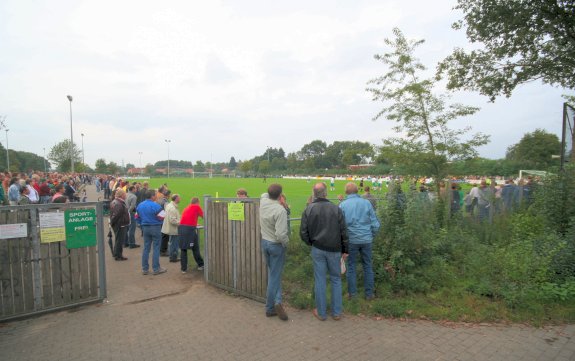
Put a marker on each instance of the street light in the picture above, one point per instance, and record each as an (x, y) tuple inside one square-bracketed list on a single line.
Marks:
[(140, 153), (168, 141), (7, 154), (71, 137), (45, 166), (82, 134)]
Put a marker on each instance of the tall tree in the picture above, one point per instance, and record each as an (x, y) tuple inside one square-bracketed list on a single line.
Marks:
[(101, 166), (232, 164), (426, 144), (60, 155), (523, 41), (535, 150)]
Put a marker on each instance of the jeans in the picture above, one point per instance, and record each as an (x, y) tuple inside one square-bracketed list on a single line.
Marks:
[(275, 255), (363, 249), (174, 246), (132, 230), (152, 237), (324, 263)]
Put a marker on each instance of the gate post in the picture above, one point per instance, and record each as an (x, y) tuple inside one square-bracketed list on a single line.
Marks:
[(36, 259)]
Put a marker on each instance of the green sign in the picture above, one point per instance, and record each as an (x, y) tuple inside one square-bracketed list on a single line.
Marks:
[(80, 228), (236, 211)]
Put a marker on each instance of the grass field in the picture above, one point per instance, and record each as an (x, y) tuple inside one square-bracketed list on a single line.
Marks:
[(297, 191)]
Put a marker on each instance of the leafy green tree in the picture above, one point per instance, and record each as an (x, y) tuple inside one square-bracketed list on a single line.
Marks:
[(232, 164), (522, 41), (113, 168), (130, 166), (149, 169), (264, 166), (101, 166), (199, 166), (535, 150), (426, 144), (246, 166), (60, 155)]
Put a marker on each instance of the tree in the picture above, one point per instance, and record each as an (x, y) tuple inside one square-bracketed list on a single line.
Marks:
[(524, 41), (426, 144), (199, 166), (130, 166), (232, 164), (535, 150), (113, 168), (246, 166), (60, 155), (101, 166), (264, 166)]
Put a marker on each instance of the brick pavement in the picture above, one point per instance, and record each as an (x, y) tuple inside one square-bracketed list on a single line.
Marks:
[(178, 317)]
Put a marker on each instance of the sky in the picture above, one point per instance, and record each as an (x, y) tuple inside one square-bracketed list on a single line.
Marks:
[(225, 78)]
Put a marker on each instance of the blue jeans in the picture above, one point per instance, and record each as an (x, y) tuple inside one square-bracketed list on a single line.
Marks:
[(275, 255), (325, 262), (174, 247), (363, 249), (132, 230), (152, 236)]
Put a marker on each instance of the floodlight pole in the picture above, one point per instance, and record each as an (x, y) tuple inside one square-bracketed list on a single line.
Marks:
[(168, 141), (71, 137)]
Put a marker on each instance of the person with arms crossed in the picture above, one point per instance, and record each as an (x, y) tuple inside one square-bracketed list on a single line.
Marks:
[(323, 228), (151, 215), (362, 226)]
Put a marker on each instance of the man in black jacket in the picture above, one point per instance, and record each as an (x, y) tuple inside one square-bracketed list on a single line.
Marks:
[(323, 228), (119, 221)]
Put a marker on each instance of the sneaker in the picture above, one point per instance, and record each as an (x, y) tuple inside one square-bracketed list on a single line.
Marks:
[(201, 268), (337, 318), (281, 312), (145, 273), (160, 271), (184, 272), (317, 315), (135, 246), (271, 313)]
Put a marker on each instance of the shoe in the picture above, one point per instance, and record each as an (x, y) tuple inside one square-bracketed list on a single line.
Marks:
[(164, 254), (350, 296), (135, 246), (145, 273), (369, 298), (184, 272), (337, 318), (160, 271), (175, 260), (201, 268), (317, 315), (281, 312), (126, 245), (121, 259), (271, 313)]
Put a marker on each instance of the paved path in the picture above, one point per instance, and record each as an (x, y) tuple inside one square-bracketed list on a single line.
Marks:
[(177, 316)]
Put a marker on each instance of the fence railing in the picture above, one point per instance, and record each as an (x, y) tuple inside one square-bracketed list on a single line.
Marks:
[(51, 257)]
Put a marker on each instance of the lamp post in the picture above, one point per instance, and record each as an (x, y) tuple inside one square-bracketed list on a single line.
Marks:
[(168, 141), (71, 137), (140, 153), (82, 134), (7, 154), (45, 166)]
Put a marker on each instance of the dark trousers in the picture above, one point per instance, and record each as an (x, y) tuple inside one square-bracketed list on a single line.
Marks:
[(165, 241), (121, 234), (189, 235)]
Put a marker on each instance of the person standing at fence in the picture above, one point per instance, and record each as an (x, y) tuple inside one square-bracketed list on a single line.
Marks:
[(151, 216), (367, 195), (131, 200), (323, 228), (273, 222), (170, 227), (119, 221), (14, 191), (362, 226), (188, 235)]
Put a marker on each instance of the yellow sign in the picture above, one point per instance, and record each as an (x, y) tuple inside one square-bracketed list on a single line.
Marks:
[(52, 227), (236, 211)]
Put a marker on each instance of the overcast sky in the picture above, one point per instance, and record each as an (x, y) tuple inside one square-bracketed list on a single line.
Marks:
[(224, 78)]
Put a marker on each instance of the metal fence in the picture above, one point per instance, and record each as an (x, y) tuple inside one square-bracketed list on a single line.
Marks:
[(44, 263), (233, 257)]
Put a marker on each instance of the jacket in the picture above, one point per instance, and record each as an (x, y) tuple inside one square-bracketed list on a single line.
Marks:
[(273, 221), (119, 215), (360, 219), (172, 220), (323, 226)]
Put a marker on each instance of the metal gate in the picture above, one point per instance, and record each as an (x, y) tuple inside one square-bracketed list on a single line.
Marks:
[(37, 276), (233, 257)]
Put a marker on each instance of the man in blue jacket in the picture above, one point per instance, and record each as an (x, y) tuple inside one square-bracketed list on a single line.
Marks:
[(362, 226), (151, 217)]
